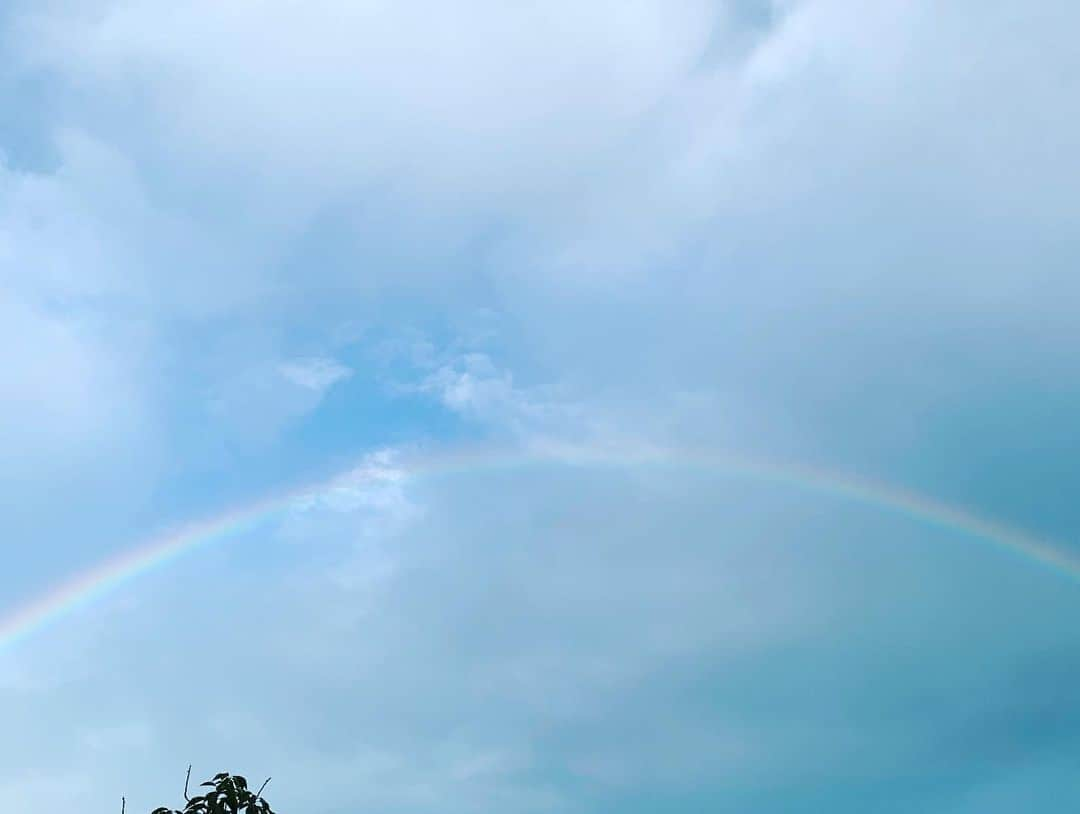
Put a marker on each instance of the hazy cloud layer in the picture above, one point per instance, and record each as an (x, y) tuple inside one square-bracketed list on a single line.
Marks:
[(247, 245)]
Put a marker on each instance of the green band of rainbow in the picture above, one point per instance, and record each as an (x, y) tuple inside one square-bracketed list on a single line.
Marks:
[(89, 586)]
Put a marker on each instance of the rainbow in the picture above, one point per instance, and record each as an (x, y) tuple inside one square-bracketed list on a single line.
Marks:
[(157, 553)]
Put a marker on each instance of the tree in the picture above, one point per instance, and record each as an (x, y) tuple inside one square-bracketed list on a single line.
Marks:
[(227, 794)]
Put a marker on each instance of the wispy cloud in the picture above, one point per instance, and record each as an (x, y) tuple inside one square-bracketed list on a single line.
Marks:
[(315, 374)]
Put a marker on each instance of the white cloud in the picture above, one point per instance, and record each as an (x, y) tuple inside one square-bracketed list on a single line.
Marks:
[(69, 378), (263, 398), (376, 483), (76, 421), (418, 89), (365, 510), (315, 374), (473, 385), (470, 384), (665, 220), (612, 157)]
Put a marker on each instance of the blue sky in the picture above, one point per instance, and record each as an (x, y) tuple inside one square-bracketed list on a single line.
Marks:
[(247, 246)]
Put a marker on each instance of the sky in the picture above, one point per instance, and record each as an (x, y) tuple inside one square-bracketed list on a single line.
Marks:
[(462, 307)]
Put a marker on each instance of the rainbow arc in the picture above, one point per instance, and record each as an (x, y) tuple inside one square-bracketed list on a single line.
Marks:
[(158, 552)]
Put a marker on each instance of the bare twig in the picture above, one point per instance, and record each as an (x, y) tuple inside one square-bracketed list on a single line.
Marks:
[(123, 805), (258, 794), (187, 780)]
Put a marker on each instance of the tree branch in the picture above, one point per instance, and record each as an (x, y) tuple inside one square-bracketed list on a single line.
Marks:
[(187, 780), (258, 794)]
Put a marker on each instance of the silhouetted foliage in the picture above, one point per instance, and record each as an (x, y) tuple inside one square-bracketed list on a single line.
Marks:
[(226, 794)]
